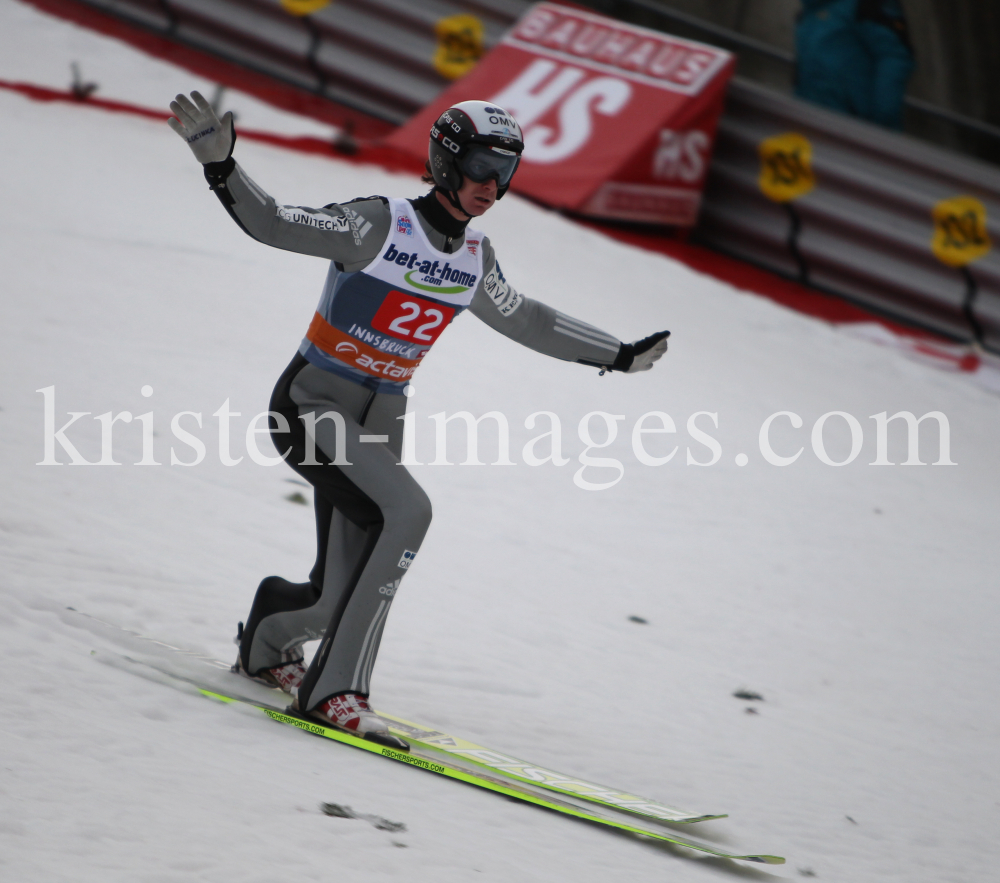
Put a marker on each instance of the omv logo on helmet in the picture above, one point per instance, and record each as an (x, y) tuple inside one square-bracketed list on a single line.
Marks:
[(430, 275), (501, 123), (488, 121)]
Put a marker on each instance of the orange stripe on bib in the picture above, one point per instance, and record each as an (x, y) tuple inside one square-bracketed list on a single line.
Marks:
[(357, 354)]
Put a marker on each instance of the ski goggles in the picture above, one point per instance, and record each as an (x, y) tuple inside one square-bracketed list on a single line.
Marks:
[(481, 163)]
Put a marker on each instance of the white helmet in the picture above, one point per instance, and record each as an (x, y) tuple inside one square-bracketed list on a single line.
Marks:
[(477, 140)]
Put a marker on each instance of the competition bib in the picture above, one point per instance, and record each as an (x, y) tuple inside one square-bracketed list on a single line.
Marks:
[(375, 326)]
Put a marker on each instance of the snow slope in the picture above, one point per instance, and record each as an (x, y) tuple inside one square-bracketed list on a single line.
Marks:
[(860, 600)]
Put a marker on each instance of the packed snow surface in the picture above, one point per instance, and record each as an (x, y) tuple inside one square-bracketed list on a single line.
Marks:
[(859, 601)]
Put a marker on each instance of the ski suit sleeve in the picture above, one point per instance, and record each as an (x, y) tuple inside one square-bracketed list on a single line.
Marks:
[(536, 325), (350, 233)]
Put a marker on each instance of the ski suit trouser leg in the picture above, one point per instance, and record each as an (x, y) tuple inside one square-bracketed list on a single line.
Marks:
[(370, 512)]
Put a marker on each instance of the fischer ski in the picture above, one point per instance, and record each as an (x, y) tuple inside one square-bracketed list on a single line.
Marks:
[(429, 749), (523, 771), (448, 764)]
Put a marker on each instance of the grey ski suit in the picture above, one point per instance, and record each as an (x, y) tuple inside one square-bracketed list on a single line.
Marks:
[(341, 399)]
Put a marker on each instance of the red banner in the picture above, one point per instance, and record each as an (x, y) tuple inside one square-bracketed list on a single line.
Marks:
[(618, 120)]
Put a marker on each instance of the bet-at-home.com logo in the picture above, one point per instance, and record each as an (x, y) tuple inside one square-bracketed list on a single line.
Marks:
[(431, 274)]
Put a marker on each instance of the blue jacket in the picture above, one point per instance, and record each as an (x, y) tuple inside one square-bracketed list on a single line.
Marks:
[(854, 56)]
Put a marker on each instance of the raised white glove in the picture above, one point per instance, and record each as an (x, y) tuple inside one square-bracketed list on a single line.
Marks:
[(643, 353), (210, 139)]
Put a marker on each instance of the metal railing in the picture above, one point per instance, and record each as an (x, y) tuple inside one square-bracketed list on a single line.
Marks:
[(894, 224), (374, 56)]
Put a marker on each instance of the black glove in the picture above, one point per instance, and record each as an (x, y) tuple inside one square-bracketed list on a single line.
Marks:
[(640, 355)]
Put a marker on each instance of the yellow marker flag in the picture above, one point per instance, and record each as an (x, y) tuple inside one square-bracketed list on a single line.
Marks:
[(460, 45), (304, 7), (960, 235), (786, 167)]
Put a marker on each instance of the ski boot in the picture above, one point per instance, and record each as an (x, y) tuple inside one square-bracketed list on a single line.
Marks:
[(287, 676), (352, 713)]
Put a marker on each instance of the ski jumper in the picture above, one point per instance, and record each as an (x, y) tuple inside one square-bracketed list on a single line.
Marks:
[(401, 271)]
